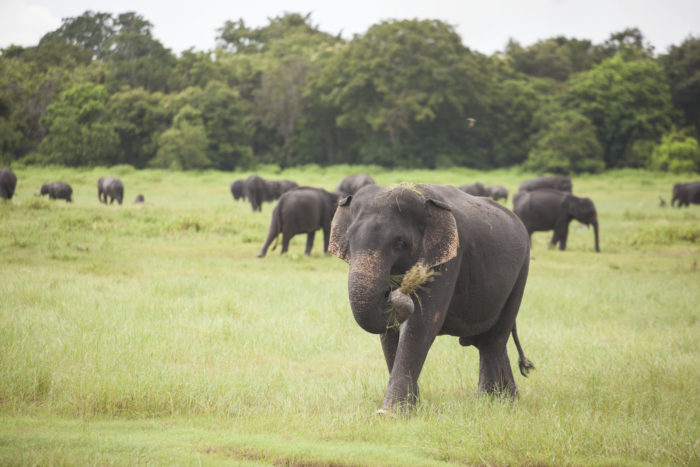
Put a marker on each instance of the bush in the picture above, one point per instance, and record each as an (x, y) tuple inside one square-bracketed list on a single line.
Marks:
[(676, 153)]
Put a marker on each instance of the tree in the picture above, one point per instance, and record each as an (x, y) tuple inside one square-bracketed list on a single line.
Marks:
[(568, 145), (626, 101), (555, 58), (682, 66), (77, 133), (184, 145), (676, 153)]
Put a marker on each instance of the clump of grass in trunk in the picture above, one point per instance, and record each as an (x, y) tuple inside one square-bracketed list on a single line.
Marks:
[(410, 284)]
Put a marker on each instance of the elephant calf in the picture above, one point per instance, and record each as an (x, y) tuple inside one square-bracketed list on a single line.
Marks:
[(544, 210), (58, 190), (302, 210), (475, 189)]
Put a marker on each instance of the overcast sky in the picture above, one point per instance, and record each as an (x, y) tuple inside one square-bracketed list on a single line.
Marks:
[(484, 25)]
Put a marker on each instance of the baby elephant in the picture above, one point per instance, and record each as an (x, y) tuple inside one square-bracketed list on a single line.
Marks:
[(58, 190), (299, 211)]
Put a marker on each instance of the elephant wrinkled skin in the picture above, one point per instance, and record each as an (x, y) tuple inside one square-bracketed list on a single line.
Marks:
[(480, 250)]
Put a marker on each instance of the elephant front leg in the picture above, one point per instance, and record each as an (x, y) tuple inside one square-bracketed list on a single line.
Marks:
[(390, 343)]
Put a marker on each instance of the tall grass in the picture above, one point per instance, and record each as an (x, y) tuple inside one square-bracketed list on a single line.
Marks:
[(153, 334)]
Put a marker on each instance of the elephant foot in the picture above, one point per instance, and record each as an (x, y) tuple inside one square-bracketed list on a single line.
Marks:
[(261, 254)]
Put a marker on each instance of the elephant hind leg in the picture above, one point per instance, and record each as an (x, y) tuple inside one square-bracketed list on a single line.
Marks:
[(495, 375), (309, 242)]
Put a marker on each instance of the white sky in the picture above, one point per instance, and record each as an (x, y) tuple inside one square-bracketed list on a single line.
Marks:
[(484, 26)]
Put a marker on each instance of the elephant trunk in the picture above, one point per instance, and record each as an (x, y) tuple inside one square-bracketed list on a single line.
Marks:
[(595, 232), (368, 290)]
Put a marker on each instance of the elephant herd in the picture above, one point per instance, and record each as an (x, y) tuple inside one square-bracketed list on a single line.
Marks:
[(109, 189)]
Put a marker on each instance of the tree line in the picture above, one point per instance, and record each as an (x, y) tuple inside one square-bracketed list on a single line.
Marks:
[(101, 90)]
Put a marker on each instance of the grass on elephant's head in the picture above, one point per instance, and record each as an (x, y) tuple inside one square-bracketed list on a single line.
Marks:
[(123, 316)]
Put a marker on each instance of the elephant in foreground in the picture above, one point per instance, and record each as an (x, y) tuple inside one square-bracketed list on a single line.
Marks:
[(544, 210), (299, 211), (110, 187), (555, 183), (686, 193), (497, 192), (475, 189), (8, 182), (258, 190), (58, 190), (350, 184), (481, 253)]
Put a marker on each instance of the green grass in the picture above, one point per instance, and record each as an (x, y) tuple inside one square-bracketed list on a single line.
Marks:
[(154, 335)]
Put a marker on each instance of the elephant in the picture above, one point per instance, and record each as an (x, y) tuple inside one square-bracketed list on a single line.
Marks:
[(110, 187), (238, 189), (58, 190), (481, 253), (497, 192), (8, 183), (543, 210), (556, 183), (475, 189), (686, 193), (350, 184), (258, 190), (139, 199), (302, 210)]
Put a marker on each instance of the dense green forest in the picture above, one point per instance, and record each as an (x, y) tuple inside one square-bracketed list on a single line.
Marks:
[(101, 90)]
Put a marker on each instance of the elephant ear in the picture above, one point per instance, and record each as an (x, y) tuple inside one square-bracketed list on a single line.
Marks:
[(440, 239), (338, 243)]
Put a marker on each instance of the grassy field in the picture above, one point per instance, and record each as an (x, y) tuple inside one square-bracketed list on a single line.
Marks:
[(153, 335)]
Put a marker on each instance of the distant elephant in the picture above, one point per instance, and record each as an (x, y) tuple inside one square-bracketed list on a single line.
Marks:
[(58, 190), (238, 189), (544, 210), (258, 190), (556, 183), (686, 193), (8, 182), (481, 253), (139, 199), (299, 211), (497, 192), (110, 187), (350, 184), (475, 189)]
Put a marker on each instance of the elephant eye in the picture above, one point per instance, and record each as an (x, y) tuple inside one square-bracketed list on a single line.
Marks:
[(400, 245)]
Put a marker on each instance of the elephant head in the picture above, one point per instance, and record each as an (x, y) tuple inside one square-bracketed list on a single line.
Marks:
[(381, 232), (583, 210)]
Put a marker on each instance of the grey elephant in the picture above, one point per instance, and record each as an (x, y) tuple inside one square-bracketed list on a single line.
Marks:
[(350, 184), (475, 189), (685, 194), (561, 183), (110, 187), (480, 252), (139, 199), (299, 211), (497, 192), (258, 190), (8, 183), (58, 190), (238, 189), (545, 210)]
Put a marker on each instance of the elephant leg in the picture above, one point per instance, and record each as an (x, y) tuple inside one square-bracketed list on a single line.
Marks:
[(495, 374), (326, 238), (309, 242), (286, 238), (390, 342), (562, 239)]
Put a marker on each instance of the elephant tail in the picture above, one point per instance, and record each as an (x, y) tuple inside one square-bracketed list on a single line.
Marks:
[(524, 364)]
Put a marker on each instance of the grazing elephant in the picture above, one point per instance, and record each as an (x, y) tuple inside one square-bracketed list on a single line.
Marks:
[(238, 189), (497, 192), (110, 187), (475, 189), (350, 184), (258, 190), (58, 190), (686, 193), (544, 210), (139, 199), (556, 183), (481, 253), (299, 211), (8, 182)]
